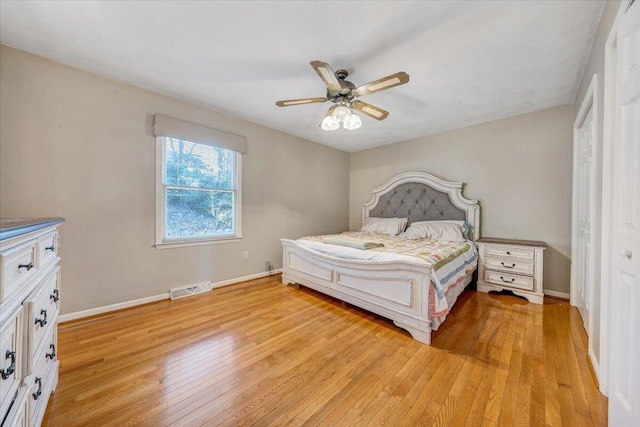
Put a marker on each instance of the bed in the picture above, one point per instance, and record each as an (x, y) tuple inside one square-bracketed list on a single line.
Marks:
[(397, 286)]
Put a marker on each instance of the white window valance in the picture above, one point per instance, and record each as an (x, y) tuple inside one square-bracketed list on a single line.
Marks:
[(187, 131)]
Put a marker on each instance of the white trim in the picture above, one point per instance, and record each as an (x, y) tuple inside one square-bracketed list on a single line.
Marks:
[(608, 141), (556, 294), (188, 243), (595, 365), (112, 307), (160, 243), (610, 58), (146, 300), (454, 189), (246, 278)]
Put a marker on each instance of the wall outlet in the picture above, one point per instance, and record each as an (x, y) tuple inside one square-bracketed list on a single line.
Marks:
[(245, 255)]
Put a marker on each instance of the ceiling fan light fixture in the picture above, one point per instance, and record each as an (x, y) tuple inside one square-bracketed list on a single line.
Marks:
[(354, 122), (329, 124), (341, 114)]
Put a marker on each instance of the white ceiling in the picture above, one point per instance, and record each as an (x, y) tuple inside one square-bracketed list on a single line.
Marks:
[(469, 62)]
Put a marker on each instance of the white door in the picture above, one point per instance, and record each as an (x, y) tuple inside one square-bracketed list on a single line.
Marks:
[(582, 215), (624, 391)]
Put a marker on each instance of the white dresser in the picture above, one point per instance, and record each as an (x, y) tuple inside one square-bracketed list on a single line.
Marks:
[(513, 265), (29, 307)]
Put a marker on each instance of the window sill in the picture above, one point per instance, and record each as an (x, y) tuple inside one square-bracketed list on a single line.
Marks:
[(188, 243)]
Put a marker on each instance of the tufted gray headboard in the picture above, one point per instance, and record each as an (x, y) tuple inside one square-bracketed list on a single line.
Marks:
[(423, 197), (418, 202)]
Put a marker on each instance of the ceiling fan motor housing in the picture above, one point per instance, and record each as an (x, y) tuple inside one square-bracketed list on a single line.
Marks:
[(347, 87)]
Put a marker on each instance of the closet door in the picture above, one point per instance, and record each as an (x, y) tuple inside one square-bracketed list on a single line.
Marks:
[(583, 187)]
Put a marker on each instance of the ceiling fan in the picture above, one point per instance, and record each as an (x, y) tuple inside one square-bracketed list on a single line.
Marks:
[(343, 93)]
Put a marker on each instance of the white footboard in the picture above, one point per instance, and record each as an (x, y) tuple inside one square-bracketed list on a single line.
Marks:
[(398, 291)]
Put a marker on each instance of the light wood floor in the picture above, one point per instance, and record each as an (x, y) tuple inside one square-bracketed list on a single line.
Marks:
[(260, 353)]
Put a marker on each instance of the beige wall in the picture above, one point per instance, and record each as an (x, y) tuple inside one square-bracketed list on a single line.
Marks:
[(77, 145), (595, 65), (519, 168)]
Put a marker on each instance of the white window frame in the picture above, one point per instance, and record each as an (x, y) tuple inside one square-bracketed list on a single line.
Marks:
[(161, 242)]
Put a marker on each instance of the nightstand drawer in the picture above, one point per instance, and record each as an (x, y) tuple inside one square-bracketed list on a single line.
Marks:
[(509, 280), (509, 265), (510, 252)]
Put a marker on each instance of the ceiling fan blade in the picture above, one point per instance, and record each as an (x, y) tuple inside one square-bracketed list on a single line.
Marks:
[(370, 110), (326, 74), (393, 80), (290, 102)]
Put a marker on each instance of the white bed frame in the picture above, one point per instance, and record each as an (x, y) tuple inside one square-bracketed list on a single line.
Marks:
[(396, 290)]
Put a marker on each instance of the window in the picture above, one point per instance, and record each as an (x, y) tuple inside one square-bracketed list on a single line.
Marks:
[(198, 193)]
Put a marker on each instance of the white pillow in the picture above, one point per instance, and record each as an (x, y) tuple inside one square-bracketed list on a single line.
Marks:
[(464, 225), (435, 230), (390, 226)]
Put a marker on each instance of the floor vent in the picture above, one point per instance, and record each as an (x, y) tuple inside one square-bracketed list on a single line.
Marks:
[(187, 291)]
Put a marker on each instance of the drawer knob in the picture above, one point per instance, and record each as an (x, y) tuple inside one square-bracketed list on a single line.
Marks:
[(508, 253), (27, 266), (38, 392), (11, 369), (508, 266), (55, 296), (51, 248), (42, 321), (53, 352), (508, 281)]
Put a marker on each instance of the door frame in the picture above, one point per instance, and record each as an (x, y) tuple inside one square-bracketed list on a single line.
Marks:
[(589, 102), (608, 157)]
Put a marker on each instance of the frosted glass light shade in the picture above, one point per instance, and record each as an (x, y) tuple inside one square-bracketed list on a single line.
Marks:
[(329, 124), (341, 114), (354, 122)]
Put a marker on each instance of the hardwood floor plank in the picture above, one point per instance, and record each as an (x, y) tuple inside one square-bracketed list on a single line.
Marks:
[(261, 353)]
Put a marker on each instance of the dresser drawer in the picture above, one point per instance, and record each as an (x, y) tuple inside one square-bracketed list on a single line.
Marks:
[(45, 358), (509, 280), (509, 265), (41, 310), (17, 265), (47, 248), (42, 382), (10, 360), (510, 252), (19, 414)]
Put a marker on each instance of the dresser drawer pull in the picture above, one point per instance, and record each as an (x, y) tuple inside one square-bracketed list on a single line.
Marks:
[(53, 352), (508, 253), (27, 266), (11, 369), (43, 321), (50, 248), (507, 281), (37, 394), (55, 296), (508, 266)]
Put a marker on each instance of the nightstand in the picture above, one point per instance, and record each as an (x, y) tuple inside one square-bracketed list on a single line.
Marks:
[(514, 265)]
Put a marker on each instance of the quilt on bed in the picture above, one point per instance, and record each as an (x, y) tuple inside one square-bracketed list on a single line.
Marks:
[(450, 262)]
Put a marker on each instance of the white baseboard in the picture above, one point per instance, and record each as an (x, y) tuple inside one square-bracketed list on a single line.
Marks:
[(245, 278), (557, 294), (127, 304), (594, 364), (112, 307)]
